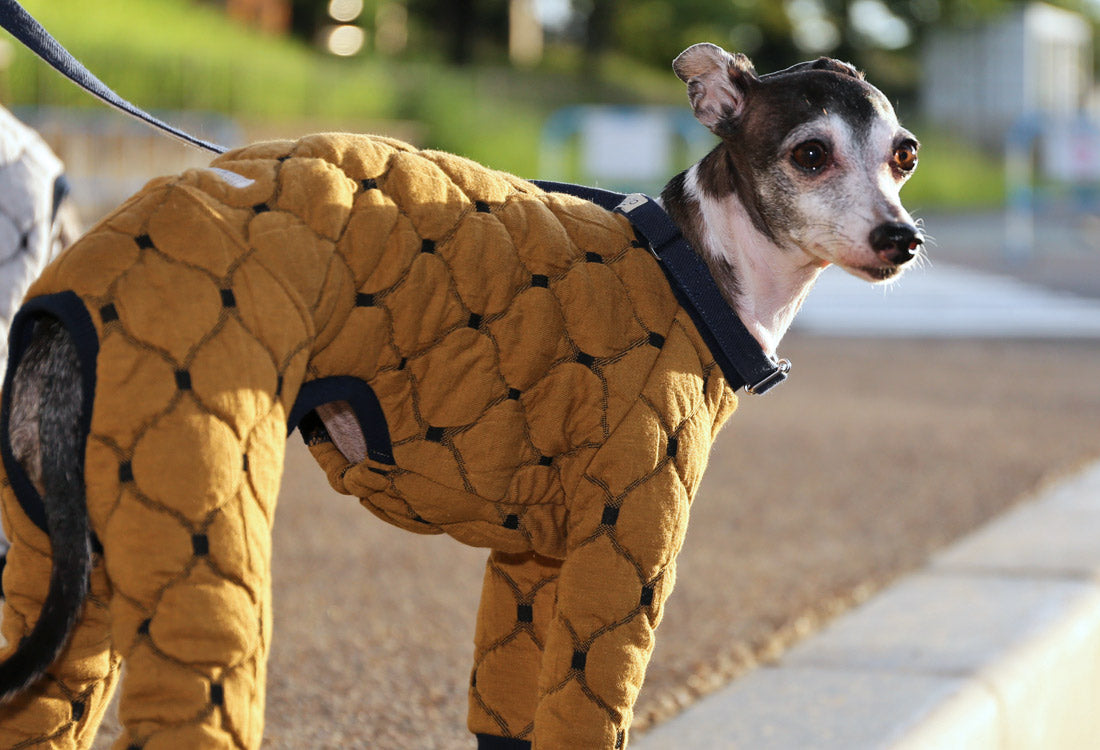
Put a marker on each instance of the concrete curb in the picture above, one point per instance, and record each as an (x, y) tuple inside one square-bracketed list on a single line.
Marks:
[(994, 644)]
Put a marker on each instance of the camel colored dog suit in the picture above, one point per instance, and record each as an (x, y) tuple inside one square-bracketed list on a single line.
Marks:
[(523, 379)]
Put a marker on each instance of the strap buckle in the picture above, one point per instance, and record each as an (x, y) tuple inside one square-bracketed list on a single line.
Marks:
[(771, 380), (631, 202)]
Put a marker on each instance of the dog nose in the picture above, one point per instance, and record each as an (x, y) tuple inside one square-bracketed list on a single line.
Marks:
[(896, 242)]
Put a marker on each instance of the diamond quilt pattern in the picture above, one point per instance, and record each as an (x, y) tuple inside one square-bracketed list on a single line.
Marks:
[(544, 396)]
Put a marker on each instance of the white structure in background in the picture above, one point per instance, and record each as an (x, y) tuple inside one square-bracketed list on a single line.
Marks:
[(1034, 61), (621, 147), (1024, 83), (35, 219)]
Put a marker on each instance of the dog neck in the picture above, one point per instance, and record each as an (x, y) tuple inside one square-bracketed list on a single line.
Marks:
[(764, 283)]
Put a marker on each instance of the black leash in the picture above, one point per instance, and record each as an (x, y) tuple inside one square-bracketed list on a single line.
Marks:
[(740, 356), (23, 27)]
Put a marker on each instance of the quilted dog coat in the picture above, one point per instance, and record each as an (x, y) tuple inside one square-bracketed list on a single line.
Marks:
[(521, 378)]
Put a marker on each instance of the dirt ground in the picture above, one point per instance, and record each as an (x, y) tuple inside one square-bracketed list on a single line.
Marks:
[(874, 454)]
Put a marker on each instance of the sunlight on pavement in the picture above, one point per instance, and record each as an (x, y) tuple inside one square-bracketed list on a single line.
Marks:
[(946, 301)]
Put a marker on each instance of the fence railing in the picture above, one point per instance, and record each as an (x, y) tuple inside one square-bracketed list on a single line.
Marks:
[(108, 156)]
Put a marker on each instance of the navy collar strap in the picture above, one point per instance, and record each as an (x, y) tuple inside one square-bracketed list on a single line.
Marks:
[(742, 359)]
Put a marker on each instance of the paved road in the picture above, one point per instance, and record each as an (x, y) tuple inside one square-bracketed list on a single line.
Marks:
[(950, 301), (970, 286), (1064, 254)]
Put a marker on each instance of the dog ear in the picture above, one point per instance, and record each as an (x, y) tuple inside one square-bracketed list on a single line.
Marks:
[(718, 83)]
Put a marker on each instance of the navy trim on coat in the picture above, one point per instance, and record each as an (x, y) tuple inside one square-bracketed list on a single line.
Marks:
[(364, 402), (67, 308), (492, 742)]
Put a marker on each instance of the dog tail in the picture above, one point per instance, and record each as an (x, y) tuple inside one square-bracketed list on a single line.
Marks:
[(46, 407)]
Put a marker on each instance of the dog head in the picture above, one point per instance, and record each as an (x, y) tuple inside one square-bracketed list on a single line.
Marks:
[(815, 154)]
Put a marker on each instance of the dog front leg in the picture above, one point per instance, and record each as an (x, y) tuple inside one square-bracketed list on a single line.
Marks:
[(64, 709), (626, 524), (517, 602)]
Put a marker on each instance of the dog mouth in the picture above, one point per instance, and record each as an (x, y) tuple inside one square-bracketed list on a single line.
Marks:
[(879, 273), (862, 264), (872, 272)]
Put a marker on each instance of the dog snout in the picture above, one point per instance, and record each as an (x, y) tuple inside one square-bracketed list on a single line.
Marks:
[(896, 242)]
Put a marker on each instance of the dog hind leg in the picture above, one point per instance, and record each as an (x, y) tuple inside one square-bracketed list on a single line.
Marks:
[(64, 710), (67, 706), (188, 553), (183, 508)]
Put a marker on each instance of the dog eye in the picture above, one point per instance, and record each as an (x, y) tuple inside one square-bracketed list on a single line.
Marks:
[(905, 158), (811, 156)]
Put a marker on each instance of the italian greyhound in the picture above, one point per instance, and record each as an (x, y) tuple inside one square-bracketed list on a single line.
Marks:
[(806, 175)]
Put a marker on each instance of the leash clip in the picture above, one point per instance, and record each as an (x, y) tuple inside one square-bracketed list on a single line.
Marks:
[(771, 380)]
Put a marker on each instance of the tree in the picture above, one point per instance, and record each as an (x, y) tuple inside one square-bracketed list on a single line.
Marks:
[(599, 33), (462, 25), (775, 35)]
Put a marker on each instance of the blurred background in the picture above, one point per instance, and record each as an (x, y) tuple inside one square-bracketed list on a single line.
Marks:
[(913, 414), (1002, 94), (506, 81)]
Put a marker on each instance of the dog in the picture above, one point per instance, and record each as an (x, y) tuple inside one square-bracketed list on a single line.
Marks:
[(37, 220), (461, 350)]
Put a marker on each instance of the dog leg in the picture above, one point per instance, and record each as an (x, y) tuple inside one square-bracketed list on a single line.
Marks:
[(66, 707), (64, 710), (517, 601), (190, 563), (627, 522)]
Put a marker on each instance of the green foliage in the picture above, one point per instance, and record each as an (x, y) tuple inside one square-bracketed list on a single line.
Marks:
[(178, 54), (175, 54), (655, 31)]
